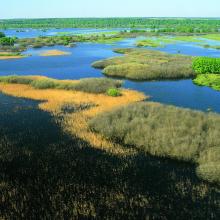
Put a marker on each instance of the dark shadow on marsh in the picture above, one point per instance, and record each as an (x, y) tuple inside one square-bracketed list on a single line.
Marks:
[(47, 174)]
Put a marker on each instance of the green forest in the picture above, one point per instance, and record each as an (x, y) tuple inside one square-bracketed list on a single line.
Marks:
[(188, 25)]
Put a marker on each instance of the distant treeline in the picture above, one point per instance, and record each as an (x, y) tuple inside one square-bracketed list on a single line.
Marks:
[(157, 24)]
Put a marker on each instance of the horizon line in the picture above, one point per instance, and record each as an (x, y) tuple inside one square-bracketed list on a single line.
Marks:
[(150, 17)]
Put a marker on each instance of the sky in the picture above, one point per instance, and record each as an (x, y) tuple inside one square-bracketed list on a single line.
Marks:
[(108, 8)]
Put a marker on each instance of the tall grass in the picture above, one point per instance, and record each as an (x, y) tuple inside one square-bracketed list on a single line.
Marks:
[(140, 64), (165, 131), (16, 79), (90, 85), (97, 85), (52, 174)]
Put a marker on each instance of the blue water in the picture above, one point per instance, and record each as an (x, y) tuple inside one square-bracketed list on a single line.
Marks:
[(189, 49), (181, 93), (74, 66), (30, 33)]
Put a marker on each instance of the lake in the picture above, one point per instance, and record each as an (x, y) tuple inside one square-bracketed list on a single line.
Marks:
[(182, 93)]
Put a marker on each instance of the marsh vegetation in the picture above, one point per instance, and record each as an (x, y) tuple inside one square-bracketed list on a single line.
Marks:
[(101, 181), (9, 44), (141, 64), (166, 131), (90, 85), (89, 149)]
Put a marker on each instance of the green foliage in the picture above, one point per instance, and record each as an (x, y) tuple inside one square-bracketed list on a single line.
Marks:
[(2, 34), (9, 54), (203, 65), (141, 64), (165, 131), (210, 80), (7, 41), (90, 85), (113, 92), (212, 37)]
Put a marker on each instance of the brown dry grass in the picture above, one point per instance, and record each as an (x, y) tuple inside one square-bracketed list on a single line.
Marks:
[(77, 123)]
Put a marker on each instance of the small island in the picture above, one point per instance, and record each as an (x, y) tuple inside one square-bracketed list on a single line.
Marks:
[(48, 53)]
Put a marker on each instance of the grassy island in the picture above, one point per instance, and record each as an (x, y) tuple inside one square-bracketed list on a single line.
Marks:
[(54, 53), (141, 64)]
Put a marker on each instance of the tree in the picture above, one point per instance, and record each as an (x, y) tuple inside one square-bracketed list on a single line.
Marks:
[(2, 34), (7, 41)]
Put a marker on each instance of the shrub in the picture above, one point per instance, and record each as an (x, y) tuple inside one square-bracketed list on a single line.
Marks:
[(204, 65), (97, 85), (165, 131), (113, 92), (16, 79), (2, 34), (44, 84), (7, 41), (211, 80)]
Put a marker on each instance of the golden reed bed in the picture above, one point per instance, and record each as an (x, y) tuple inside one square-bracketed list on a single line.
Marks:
[(77, 123)]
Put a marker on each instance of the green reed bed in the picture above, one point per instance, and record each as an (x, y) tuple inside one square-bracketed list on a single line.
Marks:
[(141, 64), (90, 85), (166, 131)]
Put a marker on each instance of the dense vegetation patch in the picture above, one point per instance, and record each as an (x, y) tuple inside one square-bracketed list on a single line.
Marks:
[(113, 92), (140, 64), (203, 65), (208, 70), (2, 34), (90, 85), (210, 80), (46, 173), (7, 41), (166, 131), (97, 85)]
